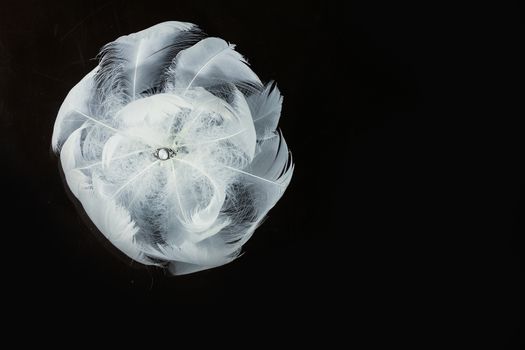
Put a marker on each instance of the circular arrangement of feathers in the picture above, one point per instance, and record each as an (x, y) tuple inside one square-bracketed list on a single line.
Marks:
[(171, 146)]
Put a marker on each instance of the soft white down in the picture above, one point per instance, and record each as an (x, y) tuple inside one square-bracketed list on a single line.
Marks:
[(170, 145)]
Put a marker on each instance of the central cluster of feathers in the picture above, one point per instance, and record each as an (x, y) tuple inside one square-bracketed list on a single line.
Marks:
[(171, 146)]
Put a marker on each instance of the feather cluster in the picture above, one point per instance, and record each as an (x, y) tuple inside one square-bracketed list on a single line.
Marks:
[(171, 146)]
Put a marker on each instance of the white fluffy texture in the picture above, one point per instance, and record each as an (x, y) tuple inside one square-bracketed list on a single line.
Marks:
[(164, 87)]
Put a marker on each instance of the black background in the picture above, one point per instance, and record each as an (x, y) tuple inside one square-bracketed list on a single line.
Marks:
[(397, 120)]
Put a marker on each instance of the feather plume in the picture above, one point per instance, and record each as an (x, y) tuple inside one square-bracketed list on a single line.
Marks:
[(171, 146)]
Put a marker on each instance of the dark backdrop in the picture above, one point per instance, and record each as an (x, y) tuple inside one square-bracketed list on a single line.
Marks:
[(378, 224)]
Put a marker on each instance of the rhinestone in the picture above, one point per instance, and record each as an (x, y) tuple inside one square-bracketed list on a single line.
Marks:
[(163, 154)]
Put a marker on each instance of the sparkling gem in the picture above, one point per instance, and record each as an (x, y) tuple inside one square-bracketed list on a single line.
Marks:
[(163, 154)]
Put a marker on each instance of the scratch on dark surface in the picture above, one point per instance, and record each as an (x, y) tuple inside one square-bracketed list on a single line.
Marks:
[(4, 54), (7, 118), (117, 22), (151, 277), (75, 27), (82, 60), (48, 76)]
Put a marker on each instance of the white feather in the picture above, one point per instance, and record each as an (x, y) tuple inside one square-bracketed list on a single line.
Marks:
[(211, 61), (170, 146), (68, 118), (266, 110), (135, 63)]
